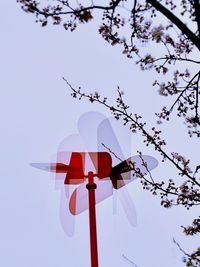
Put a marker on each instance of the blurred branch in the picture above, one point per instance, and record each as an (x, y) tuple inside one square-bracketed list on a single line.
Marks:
[(174, 19)]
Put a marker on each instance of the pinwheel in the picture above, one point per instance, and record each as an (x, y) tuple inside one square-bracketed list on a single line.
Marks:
[(98, 178)]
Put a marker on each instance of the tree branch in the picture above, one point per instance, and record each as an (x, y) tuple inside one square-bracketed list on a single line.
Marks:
[(196, 5), (186, 88), (129, 118), (75, 11), (168, 14)]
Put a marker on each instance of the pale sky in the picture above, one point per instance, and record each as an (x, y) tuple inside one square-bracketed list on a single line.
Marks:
[(38, 113)]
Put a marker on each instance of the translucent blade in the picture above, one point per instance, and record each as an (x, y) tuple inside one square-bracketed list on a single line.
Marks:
[(71, 143), (75, 175), (122, 175), (102, 162), (101, 132), (88, 126), (67, 220), (128, 206), (107, 137), (79, 198), (51, 167), (63, 156)]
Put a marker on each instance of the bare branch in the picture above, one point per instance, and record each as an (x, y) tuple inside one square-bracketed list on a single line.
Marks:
[(167, 13)]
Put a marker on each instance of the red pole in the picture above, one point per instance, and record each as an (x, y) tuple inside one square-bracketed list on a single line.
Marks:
[(91, 186)]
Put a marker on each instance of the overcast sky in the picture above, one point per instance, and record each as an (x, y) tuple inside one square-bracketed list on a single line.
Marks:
[(37, 113)]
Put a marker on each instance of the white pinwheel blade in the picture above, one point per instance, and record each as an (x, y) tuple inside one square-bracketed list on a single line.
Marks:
[(101, 132), (79, 199), (71, 143), (67, 220), (107, 137), (144, 163), (50, 167)]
